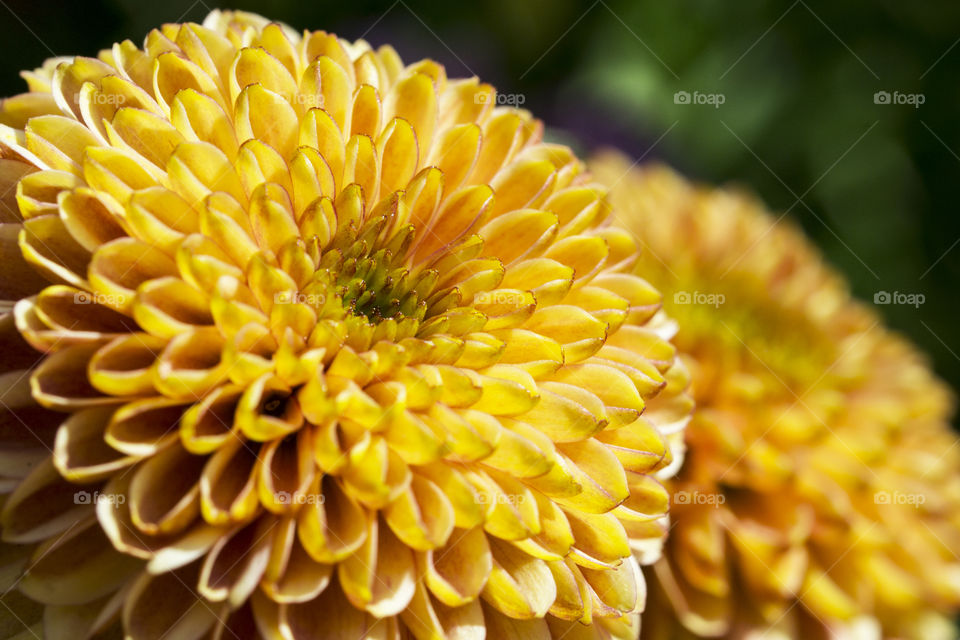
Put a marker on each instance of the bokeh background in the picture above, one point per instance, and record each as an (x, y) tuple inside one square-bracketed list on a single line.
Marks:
[(873, 181)]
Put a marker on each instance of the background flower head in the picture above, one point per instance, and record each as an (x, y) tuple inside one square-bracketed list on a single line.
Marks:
[(821, 489)]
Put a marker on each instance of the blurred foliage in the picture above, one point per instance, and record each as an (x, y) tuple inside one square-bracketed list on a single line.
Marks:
[(875, 185)]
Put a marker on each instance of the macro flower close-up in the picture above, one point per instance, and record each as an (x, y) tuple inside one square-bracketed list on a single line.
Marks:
[(541, 320), (301, 341), (820, 496)]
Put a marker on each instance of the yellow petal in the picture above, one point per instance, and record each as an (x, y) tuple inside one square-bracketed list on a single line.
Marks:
[(457, 572), (361, 166), (567, 412), (165, 491), (319, 131), (611, 385), (268, 117), (121, 266), (200, 118), (173, 73), (143, 427), (467, 509), (116, 172), (59, 142), (123, 366), (148, 135), (524, 184), (234, 565), (60, 382), (580, 334), (380, 576), (365, 118), (271, 217), (519, 585), (80, 453), (254, 66), (92, 219), (375, 474), (191, 365), (198, 168), (160, 217), (332, 529), (602, 479), (228, 488), (267, 410), (397, 150), (336, 87), (504, 396), (292, 575), (515, 235), (456, 153), (422, 517)]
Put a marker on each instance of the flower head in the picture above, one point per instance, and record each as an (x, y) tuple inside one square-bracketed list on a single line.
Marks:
[(330, 346), (821, 488)]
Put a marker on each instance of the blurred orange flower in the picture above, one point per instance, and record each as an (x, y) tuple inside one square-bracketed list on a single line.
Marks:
[(821, 490)]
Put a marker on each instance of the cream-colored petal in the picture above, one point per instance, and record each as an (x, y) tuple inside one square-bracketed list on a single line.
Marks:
[(228, 484), (165, 492), (235, 564), (144, 427), (81, 454)]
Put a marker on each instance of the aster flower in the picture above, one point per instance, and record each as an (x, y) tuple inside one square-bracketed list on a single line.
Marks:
[(820, 495), (305, 342)]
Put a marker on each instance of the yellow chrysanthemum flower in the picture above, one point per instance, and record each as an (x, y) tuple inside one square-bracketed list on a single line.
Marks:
[(331, 347), (820, 495)]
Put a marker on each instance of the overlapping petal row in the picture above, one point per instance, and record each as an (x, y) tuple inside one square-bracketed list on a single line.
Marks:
[(329, 346), (820, 495)]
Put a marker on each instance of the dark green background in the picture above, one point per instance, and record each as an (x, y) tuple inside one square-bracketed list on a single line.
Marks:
[(875, 185)]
